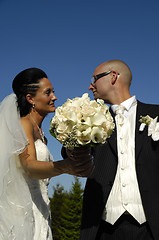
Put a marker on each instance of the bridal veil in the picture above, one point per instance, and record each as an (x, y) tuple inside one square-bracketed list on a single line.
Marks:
[(16, 217)]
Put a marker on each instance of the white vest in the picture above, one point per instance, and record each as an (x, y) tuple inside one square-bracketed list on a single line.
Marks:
[(125, 195)]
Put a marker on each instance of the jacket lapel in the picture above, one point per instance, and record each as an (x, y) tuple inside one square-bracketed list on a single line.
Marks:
[(113, 138), (141, 111)]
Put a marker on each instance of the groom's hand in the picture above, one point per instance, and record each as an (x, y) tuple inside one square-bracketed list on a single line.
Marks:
[(83, 169), (80, 161), (79, 153)]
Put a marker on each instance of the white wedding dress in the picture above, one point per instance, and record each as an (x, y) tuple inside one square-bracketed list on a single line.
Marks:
[(24, 202), (39, 194)]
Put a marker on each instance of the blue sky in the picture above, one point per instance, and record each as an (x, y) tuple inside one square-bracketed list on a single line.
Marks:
[(68, 39)]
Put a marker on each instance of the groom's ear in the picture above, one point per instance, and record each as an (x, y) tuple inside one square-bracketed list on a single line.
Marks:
[(30, 99), (114, 77)]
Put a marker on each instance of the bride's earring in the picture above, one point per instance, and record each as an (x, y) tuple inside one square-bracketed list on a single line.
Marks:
[(33, 107)]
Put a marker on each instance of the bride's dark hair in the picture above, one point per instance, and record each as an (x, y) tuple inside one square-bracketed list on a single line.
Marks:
[(27, 82)]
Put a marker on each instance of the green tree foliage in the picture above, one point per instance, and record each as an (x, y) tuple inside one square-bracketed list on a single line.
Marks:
[(66, 212), (57, 208)]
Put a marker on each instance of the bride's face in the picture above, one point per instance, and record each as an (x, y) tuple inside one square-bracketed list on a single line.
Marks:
[(45, 97)]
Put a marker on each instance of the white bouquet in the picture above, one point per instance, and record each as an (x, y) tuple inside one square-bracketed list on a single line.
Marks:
[(82, 121)]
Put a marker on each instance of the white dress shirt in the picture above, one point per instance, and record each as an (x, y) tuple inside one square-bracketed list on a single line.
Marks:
[(125, 196)]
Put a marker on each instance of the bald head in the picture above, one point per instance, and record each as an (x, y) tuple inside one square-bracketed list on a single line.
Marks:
[(113, 87), (119, 66)]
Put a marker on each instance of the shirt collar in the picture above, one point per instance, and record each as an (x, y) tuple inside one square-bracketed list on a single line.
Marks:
[(127, 103)]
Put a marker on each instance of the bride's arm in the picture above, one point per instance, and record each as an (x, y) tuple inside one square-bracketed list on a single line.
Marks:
[(38, 169)]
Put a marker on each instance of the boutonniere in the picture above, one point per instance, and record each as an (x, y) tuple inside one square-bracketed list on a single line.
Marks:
[(153, 126)]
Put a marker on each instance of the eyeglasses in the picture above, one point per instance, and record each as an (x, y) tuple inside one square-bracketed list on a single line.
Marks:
[(96, 77)]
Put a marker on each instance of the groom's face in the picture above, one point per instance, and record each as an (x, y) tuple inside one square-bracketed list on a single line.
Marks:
[(102, 86)]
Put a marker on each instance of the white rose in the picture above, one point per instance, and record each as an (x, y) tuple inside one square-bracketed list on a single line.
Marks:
[(62, 128), (87, 111), (94, 104), (62, 138), (83, 134)]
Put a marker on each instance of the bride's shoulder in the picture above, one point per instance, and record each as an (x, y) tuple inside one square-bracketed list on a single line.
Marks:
[(27, 124)]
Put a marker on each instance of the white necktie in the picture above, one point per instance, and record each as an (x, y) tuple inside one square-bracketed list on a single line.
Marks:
[(119, 111)]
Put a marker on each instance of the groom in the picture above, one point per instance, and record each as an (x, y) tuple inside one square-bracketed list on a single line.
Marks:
[(121, 197)]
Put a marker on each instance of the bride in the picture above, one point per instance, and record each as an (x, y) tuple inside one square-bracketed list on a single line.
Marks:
[(26, 163)]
